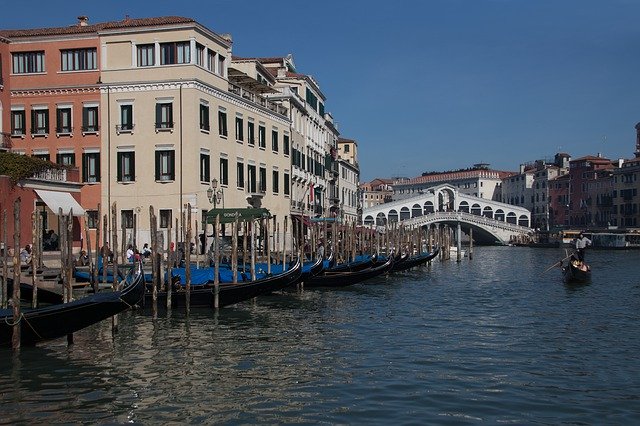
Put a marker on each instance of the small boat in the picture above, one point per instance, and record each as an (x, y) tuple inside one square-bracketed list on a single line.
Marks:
[(228, 293), (357, 265), (343, 279), (26, 293), (576, 272), (413, 261), (59, 320)]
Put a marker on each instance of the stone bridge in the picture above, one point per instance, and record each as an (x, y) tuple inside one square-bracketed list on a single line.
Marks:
[(493, 222)]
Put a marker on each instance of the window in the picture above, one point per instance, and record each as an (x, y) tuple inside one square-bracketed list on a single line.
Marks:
[(146, 55), (240, 174), (91, 167), (211, 60), (165, 165), (126, 219), (220, 68), (165, 218), (66, 158), (164, 115), (175, 53), (263, 179), (40, 121), (251, 172), (204, 117), (222, 123), (199, 54), (285, 144), (239, 129), (18, 126), (224, 171), (286, 184), (90, 119), (92, 219), (63, 121), (126, 118), (251, 133), (346, 148), (79, 59), (274, 140), (205, 166), (275, 178), (44, 156), (262, 137), (126, 166), (28, 62)]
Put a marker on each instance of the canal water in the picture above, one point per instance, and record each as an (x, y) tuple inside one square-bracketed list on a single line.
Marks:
[(491, 340)]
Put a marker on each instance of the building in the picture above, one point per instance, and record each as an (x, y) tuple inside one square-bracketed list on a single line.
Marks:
[(590, 179), (559, 189), (349, 179), (517, 189), (378, 191), (624, 196), (546, 171), (478, 181)]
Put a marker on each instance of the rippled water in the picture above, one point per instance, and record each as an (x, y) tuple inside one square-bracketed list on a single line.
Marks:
[(492, 340)]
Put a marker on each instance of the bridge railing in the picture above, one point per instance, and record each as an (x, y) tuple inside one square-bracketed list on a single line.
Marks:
[(467, 217)]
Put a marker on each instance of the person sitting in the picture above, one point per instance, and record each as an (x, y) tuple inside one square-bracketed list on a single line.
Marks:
[(130, 253), (83, 259), (146, 251), (25, 255)]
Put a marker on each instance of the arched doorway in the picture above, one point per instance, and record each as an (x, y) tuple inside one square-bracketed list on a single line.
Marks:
[(416, 210), (487, 212), (428, 207), (464, 207), (523, 220), (368, 220), (499, 215), (393, 216), (381, 219), (404, 213), (511, 218), (475, 209)]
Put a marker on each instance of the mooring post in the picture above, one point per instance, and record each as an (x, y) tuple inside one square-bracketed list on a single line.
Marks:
[(15, 338), (459, 242), (470, 243)]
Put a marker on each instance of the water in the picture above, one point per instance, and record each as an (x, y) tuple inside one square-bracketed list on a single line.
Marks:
[(493, 340)]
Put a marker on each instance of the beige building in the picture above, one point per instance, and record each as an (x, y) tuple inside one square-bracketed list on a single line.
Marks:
[(349, 179), (179, 115)]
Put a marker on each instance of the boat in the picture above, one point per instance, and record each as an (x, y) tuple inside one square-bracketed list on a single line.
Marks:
[(413, 261), (357, 265), (228, 293), (55, 321), (343, 279), (26, 293), (576, 272)]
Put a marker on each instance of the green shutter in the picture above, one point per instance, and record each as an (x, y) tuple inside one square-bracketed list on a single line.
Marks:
[(158, 115), (157, 165)]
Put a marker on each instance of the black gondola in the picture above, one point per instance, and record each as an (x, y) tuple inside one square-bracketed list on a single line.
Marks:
[(59, 320), (576, 273), (358, 265), (413, 261), (45, 295), (314, 270), (343, 279), (228, 293)]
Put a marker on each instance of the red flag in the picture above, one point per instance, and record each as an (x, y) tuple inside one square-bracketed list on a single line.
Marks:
[(311, 193)]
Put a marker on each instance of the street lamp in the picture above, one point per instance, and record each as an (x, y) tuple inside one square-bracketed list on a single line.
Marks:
[(213, 193)]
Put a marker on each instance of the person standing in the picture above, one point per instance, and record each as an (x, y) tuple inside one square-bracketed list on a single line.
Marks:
[(581, 243)]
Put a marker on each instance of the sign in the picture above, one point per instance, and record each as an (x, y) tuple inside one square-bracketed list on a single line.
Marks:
[(229, 215)]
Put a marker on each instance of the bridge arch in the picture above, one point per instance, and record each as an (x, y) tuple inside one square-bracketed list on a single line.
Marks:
[(416, 210), (368, 220), (487, 211), (523, 220), (464, 207), (446, 199), (499, 215), (511, 217), (475, 209), (428, 207), (381, 219), (392, 216), (405, 213)]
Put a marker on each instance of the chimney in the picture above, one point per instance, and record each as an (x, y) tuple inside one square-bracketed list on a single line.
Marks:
[(83, 21)]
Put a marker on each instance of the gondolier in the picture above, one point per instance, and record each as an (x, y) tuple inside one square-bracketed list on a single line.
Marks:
[(581, 243)]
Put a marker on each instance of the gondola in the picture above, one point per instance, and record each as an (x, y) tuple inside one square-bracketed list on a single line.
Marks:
[(355, 266), (26, 293), (59, 320), (228, 293), (343, 279), (413, 261), (573, 273)]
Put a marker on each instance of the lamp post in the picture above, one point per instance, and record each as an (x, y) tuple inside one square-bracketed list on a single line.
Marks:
[(214, 194)]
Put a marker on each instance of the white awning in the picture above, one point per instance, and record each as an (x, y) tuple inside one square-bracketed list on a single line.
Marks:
[(56, 200)]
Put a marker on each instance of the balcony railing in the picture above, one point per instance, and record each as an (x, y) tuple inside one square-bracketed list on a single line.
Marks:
[(57, 175), (260, 100), (125, 128)]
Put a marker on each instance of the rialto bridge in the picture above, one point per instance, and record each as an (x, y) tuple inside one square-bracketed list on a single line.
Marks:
[(492, 222)]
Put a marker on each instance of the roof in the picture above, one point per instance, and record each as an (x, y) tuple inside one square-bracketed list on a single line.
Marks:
[(94, 28), (462, 174)]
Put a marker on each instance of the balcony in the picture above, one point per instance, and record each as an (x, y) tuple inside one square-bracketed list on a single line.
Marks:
[(52, 175), (125, 128), (165, 126), (257, 99)]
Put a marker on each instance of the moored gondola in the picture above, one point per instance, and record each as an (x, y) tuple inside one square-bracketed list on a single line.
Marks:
[(59, 320), (343, 279), (228, 293), (413, 261)]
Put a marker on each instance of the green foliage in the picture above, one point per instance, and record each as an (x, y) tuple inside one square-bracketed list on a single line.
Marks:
[(19, 167)]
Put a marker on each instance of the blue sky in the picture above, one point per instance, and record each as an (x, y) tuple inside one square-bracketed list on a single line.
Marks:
[(434, 84)]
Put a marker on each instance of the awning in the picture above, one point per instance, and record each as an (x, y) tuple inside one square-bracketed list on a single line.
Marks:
[(229, 215), (56, 200), (302, 218)]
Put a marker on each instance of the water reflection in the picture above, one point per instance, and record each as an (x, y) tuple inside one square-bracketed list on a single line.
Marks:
[(451, 343)]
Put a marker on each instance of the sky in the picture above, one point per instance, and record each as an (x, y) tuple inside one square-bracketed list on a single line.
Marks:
[(432, 85)]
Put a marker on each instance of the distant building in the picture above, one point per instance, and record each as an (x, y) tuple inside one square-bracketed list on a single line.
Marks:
[(478, 181), (590, 180), (378, 191), (349, 179)]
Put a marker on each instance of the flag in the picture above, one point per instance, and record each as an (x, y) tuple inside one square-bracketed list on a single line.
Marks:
[(311, 193)]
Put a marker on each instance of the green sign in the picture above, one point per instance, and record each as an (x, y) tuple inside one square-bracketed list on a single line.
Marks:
[(229, 215)]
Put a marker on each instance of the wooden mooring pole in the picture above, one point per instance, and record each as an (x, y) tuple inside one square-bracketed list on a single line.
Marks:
[(15, 338)]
